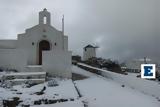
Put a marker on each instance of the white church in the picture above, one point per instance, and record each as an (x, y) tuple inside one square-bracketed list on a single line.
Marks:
[(40, 48)]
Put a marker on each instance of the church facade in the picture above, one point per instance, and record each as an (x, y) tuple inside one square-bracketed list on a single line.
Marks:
[(41, 46)]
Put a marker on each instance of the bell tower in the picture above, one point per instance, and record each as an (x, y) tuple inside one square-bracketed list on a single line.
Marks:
[(44, 17)]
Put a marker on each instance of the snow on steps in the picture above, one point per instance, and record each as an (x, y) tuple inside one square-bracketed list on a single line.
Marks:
[(20, 81), (25, 74), (145, 86), (34, 68), (21, 77)]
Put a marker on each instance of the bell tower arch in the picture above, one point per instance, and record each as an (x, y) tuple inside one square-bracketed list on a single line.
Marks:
[(44, 17)]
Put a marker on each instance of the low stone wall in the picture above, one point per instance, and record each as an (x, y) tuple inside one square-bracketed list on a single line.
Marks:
[(89, 69)]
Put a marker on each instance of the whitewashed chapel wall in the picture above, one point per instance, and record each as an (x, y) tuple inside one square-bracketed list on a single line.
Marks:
[(30, 41), (13, 59), (57, 63)]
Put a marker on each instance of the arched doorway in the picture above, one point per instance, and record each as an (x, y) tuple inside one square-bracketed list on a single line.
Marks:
[(44, 45)]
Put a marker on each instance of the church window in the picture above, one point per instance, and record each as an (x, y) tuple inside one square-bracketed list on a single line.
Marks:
[(44, 30), (44, 36)]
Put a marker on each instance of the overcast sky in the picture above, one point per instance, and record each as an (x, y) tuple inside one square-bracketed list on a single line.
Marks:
[(123, 29)]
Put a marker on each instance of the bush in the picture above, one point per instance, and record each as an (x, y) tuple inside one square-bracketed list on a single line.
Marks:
[(104, 63)]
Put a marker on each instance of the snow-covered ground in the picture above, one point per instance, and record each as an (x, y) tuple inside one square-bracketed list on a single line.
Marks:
[(133, 74), (64, 90), (66, 104), (146, 86), (92, 91), (101, 92)]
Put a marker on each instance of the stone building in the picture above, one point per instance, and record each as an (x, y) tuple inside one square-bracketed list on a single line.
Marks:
[(89, 51)]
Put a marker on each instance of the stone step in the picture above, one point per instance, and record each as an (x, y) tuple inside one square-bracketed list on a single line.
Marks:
[(26, 75), (34, 68)]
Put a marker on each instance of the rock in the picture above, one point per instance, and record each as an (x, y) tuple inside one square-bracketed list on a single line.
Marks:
[(52, 83), (71, 99), (37, 102)]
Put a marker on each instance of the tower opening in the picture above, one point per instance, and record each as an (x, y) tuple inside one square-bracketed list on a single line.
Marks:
[(44, 20)]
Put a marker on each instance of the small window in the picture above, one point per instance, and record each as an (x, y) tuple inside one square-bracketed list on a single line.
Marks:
[(32, 43), (55, 44), (45, 20), (44, 30), (44, 36)]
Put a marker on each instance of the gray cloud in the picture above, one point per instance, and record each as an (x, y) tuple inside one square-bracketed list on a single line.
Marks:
[(124, 29)]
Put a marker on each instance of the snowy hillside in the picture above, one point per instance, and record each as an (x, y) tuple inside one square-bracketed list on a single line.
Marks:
[(89, 90), (146, 86), (98, 91)]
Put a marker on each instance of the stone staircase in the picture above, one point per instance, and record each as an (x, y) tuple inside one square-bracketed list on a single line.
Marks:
[(34, 68), (32, 73)]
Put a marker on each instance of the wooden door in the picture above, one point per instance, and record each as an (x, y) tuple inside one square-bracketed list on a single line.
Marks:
[(43, 46)]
